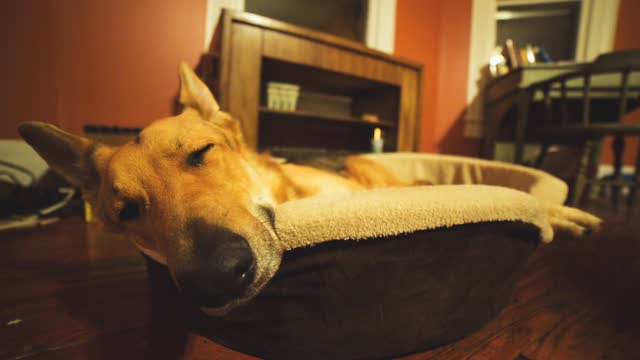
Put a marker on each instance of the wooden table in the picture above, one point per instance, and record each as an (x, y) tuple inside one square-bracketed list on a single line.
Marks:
[(69, 291)]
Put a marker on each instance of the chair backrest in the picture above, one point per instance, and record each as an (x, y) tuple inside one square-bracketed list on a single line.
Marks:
[(591, 82)]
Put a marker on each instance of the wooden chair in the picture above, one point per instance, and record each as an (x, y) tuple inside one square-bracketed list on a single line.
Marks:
[(581, 108)]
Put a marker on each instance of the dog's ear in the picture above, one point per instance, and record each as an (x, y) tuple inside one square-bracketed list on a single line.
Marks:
[(69, 155), (194, 94)]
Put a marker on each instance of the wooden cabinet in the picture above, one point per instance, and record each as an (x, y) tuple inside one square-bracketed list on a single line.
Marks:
[(248, 51)]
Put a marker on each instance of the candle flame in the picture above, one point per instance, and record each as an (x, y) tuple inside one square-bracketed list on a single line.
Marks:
[(377, 134)]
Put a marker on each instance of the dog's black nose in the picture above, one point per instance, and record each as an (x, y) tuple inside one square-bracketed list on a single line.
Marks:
[(223, 266)]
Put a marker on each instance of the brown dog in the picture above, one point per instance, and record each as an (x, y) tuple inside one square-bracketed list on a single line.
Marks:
[(193, 196)]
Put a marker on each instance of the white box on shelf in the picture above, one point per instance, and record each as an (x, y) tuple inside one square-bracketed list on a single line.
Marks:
[(282, 96)]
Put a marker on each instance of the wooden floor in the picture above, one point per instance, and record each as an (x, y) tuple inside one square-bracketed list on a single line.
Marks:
[(68, 291)]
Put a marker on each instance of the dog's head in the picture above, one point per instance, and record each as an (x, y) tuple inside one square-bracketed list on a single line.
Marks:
[(185, 191)]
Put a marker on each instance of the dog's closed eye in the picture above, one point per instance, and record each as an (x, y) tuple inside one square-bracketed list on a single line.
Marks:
[(130, 211), (196, 158)]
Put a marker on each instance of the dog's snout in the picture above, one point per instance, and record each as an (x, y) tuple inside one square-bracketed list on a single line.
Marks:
[(222, 267)]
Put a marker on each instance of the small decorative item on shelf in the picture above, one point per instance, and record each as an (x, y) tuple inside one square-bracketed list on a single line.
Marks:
[(515, 57), (377, 143), (370, 117), (497, 62), (324, 103), (282, 96)]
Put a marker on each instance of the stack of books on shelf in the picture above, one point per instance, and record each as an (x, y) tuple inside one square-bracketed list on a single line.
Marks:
[(510, 56)]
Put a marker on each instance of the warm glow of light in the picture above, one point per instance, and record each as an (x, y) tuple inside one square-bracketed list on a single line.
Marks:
[(377, 134), (496, 59)]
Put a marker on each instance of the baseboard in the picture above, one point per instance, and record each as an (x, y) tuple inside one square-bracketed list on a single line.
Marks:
[(505, 151), (605, 169)]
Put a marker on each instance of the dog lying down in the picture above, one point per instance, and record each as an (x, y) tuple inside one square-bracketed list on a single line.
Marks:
[(190, 194)]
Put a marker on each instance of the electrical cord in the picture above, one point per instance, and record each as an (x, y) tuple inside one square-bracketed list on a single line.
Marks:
[(41, 217), (69, 193)]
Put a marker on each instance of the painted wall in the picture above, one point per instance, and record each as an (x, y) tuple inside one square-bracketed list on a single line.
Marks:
[(417, 38), (72, 62), (436, 33)]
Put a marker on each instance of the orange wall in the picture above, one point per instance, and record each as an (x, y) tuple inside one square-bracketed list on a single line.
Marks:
[(627, 37), (417, 38), (72, 62), (436, 33)]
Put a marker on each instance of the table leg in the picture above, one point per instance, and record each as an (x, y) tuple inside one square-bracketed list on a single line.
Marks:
[(521, 126), (636, 181), (489, 141)]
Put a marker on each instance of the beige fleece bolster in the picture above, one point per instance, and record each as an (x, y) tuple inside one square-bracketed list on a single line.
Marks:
[(448, 169), (391, 211)]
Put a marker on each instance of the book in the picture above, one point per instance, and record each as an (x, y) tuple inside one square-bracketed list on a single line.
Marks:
[(512, 54), (530, 54), (523, 57), (543, 55)]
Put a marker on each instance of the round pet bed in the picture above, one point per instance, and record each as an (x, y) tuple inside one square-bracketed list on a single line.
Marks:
[(386, 272)]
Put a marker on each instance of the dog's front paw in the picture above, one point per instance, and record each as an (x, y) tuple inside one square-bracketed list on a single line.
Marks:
[(574, 221)]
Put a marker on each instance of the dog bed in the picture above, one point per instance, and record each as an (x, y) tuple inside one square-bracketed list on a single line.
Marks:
[(386, 272)]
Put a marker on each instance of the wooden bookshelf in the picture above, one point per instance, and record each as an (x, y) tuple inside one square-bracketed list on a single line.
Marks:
[(249, 51)]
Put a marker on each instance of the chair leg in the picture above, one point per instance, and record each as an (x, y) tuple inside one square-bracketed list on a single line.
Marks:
[(636, 181), (581, 178), (594, 187), (618, 151)]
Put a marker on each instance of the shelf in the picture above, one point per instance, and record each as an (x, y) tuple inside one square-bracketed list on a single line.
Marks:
[(337, 118)]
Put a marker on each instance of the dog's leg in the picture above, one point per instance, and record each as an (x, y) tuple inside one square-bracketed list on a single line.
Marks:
[(571, 220)]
